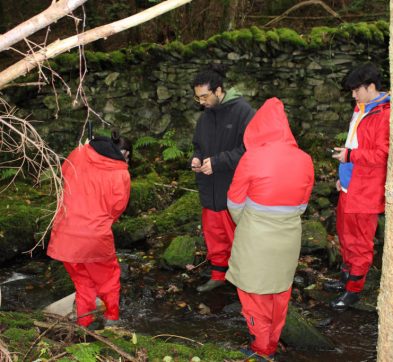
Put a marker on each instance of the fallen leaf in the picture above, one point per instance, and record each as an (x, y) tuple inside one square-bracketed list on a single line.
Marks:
[(204, 309)]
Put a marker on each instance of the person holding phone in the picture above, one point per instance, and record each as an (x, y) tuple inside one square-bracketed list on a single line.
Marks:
[(218, 146), (362, 176)]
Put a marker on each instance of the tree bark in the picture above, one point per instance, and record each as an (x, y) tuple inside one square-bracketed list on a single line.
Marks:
[(53, 13), (102, 32), (385, 298)]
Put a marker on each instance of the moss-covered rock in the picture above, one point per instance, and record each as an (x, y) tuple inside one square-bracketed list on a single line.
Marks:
[(182, 216), (314, 236), (300, 333), (180, 252), (131, 230), (323, 188), (23, 213), (323, 202), (146, 194)]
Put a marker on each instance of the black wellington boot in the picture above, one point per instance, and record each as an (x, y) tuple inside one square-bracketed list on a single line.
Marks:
[(338, 285), (344, 301)]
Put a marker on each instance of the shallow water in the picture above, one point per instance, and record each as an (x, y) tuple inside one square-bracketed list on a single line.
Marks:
[(161, 302)]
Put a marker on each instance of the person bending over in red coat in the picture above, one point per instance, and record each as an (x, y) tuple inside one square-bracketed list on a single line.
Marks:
[(96, 192), (269, 192), (362, 176)]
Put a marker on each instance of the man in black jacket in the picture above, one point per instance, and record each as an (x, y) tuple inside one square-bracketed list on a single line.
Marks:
[(218, 147)]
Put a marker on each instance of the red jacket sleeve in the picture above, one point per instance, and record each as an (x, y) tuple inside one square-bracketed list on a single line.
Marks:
[(378, 155)]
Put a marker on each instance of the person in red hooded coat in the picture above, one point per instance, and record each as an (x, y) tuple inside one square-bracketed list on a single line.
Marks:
[(270, 190), (96, 192), (362, 177)]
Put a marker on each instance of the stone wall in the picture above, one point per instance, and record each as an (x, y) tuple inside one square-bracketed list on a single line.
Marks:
[(145, 90)]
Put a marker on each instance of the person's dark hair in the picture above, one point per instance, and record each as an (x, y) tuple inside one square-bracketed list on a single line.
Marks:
[(363, 75), (210, 77), (121, 142)]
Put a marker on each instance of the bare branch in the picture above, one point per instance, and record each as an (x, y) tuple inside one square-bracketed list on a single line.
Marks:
[(300, 5), (28, 152), (54, 12), (102, 32)]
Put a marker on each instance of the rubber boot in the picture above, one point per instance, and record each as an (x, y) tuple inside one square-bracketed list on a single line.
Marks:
[(338, 285), (344, 301), (210, 285)]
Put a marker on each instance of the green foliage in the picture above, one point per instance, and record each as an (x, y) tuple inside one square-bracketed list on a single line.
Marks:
[(341, 137), (84, 352), (167, 146), (7, 173), (172, 153), (145, 141), (17, 337)]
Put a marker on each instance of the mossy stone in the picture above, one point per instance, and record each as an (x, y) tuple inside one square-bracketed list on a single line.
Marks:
[(131, 230), (323, 202), (300, 333), (180, 252), (180, 214), (314, 235)]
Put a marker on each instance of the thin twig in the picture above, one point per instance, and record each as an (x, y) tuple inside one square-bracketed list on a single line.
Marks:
[(169, 336), (174, 187), (39, 338), (58, 356), (4, 353)]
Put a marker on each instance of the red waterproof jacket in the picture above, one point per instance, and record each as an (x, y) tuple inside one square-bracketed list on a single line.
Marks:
[(273, 171), (366, 191), (96, 192)]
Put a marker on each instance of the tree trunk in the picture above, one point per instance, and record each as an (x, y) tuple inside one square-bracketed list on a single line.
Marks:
[(102, 32), (385, 298)]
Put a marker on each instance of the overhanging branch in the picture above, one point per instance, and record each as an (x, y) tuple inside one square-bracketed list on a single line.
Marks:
[(60, 46)]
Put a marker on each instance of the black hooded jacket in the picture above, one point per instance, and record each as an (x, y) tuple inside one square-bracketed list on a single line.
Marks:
[(219, 135)]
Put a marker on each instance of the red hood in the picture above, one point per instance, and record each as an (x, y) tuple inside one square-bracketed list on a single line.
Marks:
[(270, 124), (103, 162)]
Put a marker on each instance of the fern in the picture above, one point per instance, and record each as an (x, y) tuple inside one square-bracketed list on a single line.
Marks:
[(144, 142), (84, 352), (172, 153)]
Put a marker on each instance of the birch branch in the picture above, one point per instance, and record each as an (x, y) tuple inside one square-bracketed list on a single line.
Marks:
[(54, 12), (60, 46)]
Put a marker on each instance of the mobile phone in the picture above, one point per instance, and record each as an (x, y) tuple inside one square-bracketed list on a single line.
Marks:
[(193, 166), (330, 150)]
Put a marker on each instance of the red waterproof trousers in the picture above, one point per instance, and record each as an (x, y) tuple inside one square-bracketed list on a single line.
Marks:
[(356, 235), (265, 315), (218, 231), (93, 280)]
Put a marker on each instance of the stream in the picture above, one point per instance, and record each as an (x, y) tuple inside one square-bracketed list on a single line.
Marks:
[(156, 301)]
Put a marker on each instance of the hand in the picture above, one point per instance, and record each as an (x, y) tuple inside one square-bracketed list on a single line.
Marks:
[(196, 164), (338, 185), (340, 155), (207, 167)]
